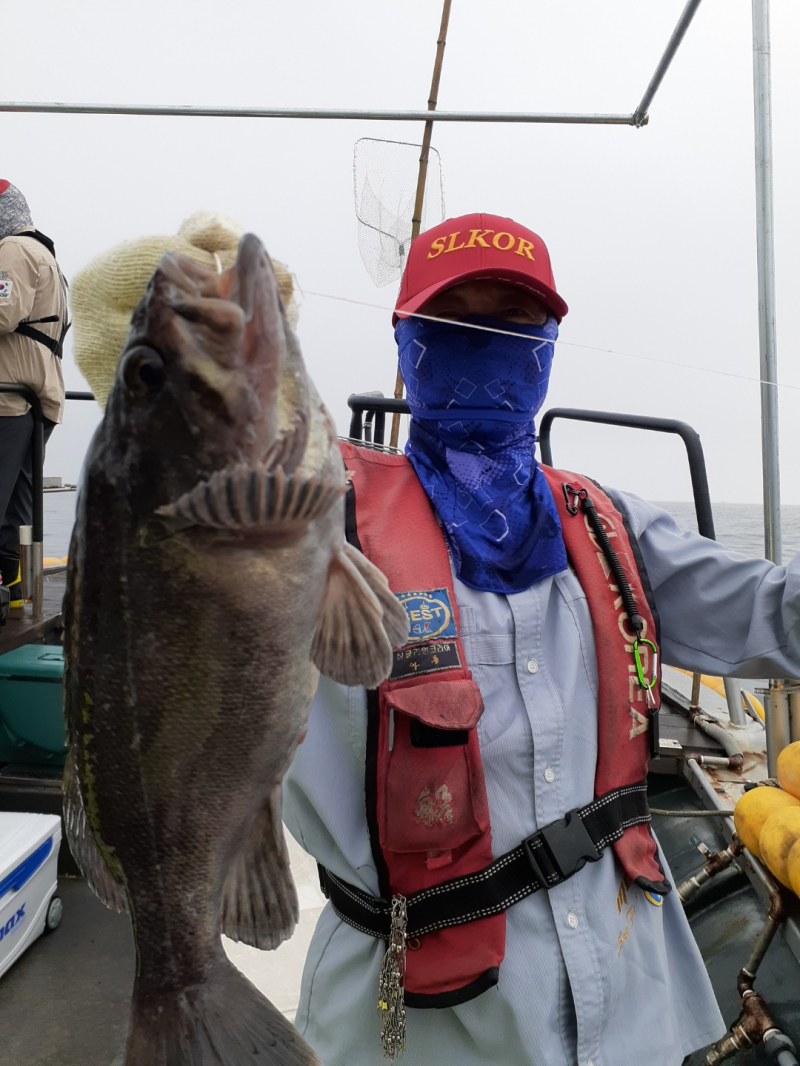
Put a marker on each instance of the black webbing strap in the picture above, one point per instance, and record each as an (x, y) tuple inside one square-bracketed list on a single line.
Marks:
[(25, 329), (55, 344), (542, 860)]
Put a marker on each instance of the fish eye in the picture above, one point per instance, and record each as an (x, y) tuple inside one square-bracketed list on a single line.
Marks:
[(144, 371)]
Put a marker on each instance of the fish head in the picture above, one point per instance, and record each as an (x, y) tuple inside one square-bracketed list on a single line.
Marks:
[(210, 375)]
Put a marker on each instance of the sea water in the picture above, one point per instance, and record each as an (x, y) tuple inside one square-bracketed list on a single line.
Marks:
[(739, 526)]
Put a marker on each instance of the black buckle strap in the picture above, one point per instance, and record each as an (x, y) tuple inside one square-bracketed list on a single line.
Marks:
[(546, 858), (560, 849)]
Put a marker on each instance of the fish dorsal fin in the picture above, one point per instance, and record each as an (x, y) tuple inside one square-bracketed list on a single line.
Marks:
[(246, 497), (360, 622), (259, 901), (82, 844)]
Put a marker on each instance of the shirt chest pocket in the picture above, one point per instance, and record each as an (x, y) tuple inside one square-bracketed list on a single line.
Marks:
[(492, 659)]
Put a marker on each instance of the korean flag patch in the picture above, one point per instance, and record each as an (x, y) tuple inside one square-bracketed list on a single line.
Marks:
[(6, 288)]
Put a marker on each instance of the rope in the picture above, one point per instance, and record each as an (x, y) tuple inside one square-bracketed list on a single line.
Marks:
[(563, 343)]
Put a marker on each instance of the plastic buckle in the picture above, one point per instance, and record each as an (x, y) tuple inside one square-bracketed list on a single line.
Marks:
[(568, 847)]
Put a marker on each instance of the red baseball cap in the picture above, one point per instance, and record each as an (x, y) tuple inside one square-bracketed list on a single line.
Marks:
[(477, 246), (3, 186)]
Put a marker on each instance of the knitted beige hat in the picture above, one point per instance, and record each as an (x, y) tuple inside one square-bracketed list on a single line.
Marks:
[(105, 292)]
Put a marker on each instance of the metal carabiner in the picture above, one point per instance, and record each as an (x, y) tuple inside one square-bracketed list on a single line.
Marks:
[(646, 684), (572, 495)]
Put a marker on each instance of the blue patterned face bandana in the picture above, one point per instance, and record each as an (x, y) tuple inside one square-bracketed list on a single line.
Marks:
[(473, 397)]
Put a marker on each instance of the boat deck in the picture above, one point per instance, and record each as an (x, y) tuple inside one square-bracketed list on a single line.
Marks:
[(26, 630)]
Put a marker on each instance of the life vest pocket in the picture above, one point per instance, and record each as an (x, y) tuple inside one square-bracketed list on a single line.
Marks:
[(433, 796)]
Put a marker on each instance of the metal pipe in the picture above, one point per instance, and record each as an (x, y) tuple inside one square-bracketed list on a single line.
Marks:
[(762, 101), (640, 114), (776, 722), (37, 566), (26, 561), (763, 940), (715, 864), (733, 696), (794, 715), (708, 790), (570, 119), (422, 176)]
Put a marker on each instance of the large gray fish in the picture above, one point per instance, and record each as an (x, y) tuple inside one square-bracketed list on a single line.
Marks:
[(209, 581)]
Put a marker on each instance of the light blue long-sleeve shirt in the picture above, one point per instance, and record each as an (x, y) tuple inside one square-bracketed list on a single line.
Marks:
[(594, 974)]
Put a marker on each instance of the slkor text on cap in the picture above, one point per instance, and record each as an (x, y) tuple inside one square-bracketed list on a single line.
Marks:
[(502, 241)]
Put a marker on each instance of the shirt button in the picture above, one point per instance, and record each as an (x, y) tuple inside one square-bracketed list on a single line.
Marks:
[(549, 775), (572, 922), (531, 666)]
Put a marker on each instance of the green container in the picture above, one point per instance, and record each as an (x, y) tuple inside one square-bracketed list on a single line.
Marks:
[(31, 705)]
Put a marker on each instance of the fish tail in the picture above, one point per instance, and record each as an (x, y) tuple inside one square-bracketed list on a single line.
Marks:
[(225, 1021)]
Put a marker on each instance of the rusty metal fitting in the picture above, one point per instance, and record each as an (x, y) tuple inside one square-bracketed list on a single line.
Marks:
[(716, 863)]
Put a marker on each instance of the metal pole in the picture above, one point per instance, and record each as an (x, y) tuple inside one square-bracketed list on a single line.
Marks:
[(776, 709), (733, 696), (766, 281), (794, 714), (776, 723), (640, 114), (416, 221), (357, 115)]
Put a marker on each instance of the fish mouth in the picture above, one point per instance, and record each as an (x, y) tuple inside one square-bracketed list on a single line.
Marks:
[(235, 362), (232, 337)]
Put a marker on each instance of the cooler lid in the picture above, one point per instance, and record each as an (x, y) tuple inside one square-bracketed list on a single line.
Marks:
[(32, 661), (23, 834)]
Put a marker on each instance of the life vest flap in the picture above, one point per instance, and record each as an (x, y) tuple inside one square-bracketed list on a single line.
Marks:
[(457, 704)]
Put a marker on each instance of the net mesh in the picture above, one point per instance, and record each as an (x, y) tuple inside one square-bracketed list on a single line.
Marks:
[(385, 184)]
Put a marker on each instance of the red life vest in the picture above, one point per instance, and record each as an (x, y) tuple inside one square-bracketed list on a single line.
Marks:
[(425, 792)]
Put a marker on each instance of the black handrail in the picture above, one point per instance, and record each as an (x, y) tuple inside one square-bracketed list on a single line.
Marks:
[(373, 403), (689, 436), (377, 406)]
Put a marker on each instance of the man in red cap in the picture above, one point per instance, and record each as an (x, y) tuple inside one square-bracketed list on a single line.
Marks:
[(480, 820), (33, 319)]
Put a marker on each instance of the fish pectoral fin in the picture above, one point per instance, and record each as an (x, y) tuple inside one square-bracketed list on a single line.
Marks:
[(361, 620), (259, 900), (247, 497), (102, 882)]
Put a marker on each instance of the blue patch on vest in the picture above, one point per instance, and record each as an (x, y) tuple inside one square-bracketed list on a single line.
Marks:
[(430, 615), (654, 897)]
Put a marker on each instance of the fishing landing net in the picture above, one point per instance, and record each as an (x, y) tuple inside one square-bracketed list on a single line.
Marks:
[(385, 175)]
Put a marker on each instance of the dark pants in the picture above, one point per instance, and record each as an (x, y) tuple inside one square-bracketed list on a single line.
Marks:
[(16, 486)]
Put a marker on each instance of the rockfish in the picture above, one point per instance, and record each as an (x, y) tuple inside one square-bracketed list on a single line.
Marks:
[(209, 582)]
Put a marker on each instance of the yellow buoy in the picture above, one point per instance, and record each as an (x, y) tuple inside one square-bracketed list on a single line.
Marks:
[(754, 808), (779, 834), (793, 867), (788, 768)]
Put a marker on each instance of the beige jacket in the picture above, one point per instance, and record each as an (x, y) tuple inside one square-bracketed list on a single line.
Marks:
[(31, 287)]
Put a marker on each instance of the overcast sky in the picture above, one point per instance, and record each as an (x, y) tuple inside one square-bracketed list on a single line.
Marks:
[(651, 231)]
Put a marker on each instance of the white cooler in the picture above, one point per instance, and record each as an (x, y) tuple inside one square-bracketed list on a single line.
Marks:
[(28, 869)]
